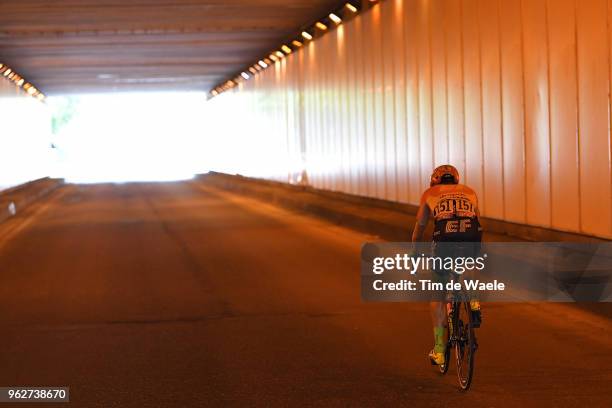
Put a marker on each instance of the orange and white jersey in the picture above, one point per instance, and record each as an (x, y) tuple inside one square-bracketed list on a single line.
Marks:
[(450, 200), (454, 209)]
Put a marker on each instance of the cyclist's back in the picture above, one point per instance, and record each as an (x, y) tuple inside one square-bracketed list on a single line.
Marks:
[(454, 210), (452, 206)]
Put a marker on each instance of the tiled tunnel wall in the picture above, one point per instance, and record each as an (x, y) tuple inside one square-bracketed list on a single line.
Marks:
[(515, 94)]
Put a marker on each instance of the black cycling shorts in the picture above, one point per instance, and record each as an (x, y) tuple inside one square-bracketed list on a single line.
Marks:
[(457, 229)]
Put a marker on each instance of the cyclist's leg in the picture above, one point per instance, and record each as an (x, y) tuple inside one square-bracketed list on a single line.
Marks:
[(439, 320), (473, 249)]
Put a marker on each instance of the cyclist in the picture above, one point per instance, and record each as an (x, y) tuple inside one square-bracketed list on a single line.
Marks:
[(454, 209)]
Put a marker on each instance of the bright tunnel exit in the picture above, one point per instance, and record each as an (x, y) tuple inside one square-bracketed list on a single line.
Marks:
[(129, 137)]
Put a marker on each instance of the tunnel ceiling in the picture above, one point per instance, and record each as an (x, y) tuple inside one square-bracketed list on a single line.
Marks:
[(76, 46)]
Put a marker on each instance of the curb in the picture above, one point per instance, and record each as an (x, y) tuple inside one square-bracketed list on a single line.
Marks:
[(389, 220), (15, 199)]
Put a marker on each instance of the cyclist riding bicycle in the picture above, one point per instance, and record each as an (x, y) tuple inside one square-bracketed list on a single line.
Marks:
[(454, 209)]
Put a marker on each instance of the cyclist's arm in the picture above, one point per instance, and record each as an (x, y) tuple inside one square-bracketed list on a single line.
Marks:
[(421, 221)]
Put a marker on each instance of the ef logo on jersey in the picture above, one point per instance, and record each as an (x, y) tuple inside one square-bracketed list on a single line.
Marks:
[(457, 226)]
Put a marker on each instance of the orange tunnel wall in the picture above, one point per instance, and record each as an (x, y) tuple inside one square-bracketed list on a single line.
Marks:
[(515, 94)]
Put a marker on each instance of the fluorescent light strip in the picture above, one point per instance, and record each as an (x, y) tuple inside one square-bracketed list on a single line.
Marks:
[(19, 81), (275, 56)]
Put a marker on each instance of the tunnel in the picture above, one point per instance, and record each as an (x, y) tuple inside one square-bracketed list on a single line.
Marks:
[(234, 203)]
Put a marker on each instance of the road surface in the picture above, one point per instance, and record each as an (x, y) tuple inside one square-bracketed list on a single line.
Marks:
[(177, 294)]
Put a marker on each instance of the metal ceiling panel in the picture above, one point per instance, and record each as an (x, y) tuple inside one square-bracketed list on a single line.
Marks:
[(73, 46)]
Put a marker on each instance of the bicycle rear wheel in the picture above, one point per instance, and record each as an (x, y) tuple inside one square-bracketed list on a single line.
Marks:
[(465, 344)]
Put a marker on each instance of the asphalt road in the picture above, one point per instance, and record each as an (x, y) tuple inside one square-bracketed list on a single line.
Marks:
[(181, 295)]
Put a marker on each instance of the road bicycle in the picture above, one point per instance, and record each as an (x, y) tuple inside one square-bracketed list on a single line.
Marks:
[(460, 337)]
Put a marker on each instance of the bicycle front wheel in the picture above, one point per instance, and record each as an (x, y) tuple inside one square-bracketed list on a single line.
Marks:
[(465, 344)]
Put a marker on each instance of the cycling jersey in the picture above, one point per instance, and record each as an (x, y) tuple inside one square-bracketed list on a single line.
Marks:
[(454, 209)]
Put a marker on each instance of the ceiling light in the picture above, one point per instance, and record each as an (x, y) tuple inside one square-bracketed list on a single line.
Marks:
[(306, 35), (7, 72), (262, 64), (273, 57), (296, 43), (351, 7), (286, 49), (335, 18), (245, 75), (252, 70), (321, 26), (214, 92), (279, 54)]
